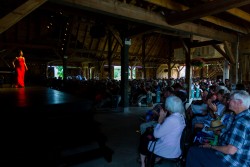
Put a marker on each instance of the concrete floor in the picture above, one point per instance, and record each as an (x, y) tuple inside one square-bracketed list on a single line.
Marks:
[(123, 139), (24, 109)]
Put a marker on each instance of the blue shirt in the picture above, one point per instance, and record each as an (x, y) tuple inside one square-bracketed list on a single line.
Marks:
[(239, 136)]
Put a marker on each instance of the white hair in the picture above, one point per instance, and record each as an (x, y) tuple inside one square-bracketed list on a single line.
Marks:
[(174, 105), (241, 95)]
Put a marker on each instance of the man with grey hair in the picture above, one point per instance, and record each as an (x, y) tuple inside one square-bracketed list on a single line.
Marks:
[(234, 145)]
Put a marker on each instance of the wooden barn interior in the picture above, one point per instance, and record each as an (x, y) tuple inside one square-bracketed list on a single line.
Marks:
[(158, 38)]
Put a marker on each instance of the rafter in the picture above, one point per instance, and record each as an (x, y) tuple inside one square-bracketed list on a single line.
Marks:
[(207, 9), (226, 24), (19, 13), (31, 46), (205, 43), (85, 35), (132, 13), (169, 4), (239, 13), (115, 34), (152, 46), (228, 50), (222, 52)]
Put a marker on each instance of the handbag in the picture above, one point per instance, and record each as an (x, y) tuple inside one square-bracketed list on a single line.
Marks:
[(150, 161)]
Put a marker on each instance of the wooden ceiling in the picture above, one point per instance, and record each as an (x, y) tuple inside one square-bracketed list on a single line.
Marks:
[(82, 30)]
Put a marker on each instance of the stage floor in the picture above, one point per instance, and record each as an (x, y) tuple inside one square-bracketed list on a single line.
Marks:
[(31, 135), (39, 124), (38, 97)]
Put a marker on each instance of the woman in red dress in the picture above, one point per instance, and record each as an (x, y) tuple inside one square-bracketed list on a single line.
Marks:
[(21, 67)]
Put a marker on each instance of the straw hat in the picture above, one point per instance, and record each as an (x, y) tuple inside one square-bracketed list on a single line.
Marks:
[(215, 125)]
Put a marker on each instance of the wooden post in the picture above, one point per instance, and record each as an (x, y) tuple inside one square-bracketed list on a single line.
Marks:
[(144, 56), (109, 55), (124, 70), (225, 70)]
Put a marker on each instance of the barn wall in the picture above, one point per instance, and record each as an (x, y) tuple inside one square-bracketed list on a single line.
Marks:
[(244, 59)]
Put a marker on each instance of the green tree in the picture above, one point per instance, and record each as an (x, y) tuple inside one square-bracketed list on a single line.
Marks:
[(60, 71)]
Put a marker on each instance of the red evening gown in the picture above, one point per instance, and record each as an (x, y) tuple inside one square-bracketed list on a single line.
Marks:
[(20, 71)]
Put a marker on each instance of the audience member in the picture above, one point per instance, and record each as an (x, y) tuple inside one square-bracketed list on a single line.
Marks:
[(168, 131), (152, 116), (233, 148)]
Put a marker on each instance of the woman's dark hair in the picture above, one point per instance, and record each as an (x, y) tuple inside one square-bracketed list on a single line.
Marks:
[(169, 89), (212, 88), (210, 95), (221, 91), (19, 51), (226, 96)]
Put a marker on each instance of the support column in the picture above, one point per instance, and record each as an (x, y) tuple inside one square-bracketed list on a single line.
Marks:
[(47, 70), (169, 69), (86, 72), (201, 72), (109, 55), (236, 51), (240, 69), (65, 68), (188, 78), (188, 72), (225, 70), (89, 71), (124, 72), (65, 39), (170, 56), (144, 56), (207, 67), (234, 76), (131, 72)]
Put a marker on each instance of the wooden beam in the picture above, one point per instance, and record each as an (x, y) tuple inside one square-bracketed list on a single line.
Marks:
[(222, 52), (149, 40), (169, 4), (207, 9), (139, 31), (228, 50), (172, 33), (136, 14), (226, 24), (185, 45), (213, 59), (240, 14), (19, 13), (205, 43), (31, 46), (116, 35)]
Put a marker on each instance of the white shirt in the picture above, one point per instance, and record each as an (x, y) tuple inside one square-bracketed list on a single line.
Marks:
[(169, 135)]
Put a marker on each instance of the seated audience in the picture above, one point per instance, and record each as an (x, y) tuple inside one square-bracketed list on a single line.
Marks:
[(215, 127), (180, 92), (216, 109), (199, 107), (233, 148)]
